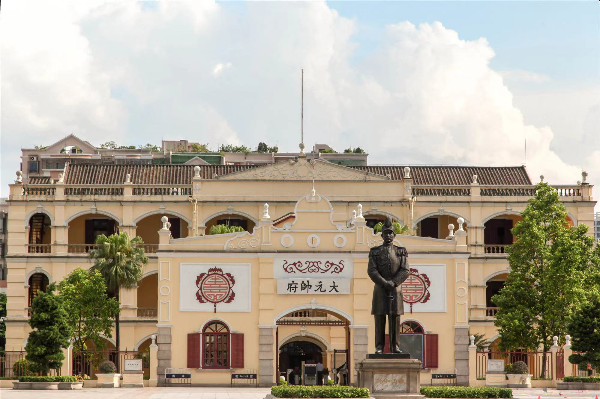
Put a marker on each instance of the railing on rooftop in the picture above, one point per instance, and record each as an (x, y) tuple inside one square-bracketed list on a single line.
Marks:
[(94, 190), (490, 190), (174, 190)]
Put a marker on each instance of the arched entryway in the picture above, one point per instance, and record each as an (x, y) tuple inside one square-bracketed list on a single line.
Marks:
[(294, 355), (304, 337), (39, 233)]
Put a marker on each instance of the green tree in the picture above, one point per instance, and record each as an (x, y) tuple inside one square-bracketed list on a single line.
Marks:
[(358, 150), (398, 228), (200, 147), (90, 311), (2, 324), (262, 147), (109, 145), (552, 267), (151, 147), (584, 327), (120, 260), (234, 148), (51, 331)]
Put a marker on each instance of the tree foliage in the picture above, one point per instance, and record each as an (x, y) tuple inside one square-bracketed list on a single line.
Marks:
[(584, 327), (356, 150), (90, 311), (234, 148), (263, 148), (398, 228), (119, 260), (552, 268), (51, 331), (150, 147), (197, 147)]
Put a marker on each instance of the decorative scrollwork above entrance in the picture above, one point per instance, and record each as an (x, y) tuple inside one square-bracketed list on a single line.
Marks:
[(313, 266)]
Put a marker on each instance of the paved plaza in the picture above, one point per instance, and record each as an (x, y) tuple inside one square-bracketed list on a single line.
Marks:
[(238, 393)]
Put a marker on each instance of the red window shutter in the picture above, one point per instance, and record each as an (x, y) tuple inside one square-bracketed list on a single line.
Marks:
[(431, 351), (386, 346), (193, 350), (237, 351)]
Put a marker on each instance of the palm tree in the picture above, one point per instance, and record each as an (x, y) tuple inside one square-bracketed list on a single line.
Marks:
[(120, 260)]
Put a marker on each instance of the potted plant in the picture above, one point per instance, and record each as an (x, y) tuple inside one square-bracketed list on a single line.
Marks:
[(518, 375), (108, 377)]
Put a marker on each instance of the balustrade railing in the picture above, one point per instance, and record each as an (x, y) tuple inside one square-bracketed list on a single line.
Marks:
[(80, 248), (39, 248), (148, 313), (441, 191), (150, 248), (490, 190), (41, 189), (179, 190), (94, 190), (491, 312), (495, 249)]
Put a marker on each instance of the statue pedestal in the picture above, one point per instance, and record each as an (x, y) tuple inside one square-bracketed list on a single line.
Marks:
[(390, 376)]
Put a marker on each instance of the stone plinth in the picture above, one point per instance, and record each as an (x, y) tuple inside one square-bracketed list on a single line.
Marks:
[(133, 379), (389, 376)]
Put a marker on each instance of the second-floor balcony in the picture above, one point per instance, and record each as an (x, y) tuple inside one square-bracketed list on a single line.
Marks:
[(496, 249)]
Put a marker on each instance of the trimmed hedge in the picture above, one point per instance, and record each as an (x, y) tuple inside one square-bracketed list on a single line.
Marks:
[(581, 379), (47, 378), (318, 391), (466, 392)]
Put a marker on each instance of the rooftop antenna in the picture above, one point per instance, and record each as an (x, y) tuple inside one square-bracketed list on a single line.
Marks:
[(302, 116)]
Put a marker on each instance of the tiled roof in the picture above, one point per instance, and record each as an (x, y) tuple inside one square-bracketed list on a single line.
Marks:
[(182, 174), (145, 174), (455, 175), (40, 180)]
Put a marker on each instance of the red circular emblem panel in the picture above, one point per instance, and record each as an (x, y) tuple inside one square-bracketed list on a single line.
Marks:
[(215, 287), (415, 289)]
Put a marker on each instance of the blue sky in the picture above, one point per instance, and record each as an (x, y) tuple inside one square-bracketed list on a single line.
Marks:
[(559, 39)]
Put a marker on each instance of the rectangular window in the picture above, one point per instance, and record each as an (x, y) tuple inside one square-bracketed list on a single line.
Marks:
[(429, 227), (413, 344), (34, 167)]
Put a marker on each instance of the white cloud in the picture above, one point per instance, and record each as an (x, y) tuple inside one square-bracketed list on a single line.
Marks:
[(119, 71), (220, 67), (524, 76)]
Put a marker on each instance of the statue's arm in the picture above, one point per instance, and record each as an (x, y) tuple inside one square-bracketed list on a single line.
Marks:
[(404, 270), (374, 273)]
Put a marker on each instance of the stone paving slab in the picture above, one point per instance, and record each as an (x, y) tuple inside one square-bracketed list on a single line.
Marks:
[(141, 393)]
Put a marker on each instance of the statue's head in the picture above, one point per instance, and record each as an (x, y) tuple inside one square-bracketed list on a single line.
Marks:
[(387, 232)]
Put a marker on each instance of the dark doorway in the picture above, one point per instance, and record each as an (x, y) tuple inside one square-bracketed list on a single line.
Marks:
[(497, 231), (291, 356), (430, 227)]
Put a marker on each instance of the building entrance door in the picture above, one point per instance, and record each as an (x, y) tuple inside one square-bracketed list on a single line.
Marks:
[(291, 356)]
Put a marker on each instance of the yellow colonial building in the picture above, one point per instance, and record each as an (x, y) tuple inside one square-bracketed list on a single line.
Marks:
[(293, 287)]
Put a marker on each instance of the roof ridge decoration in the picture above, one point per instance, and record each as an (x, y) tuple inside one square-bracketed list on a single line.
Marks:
[(305, 170)]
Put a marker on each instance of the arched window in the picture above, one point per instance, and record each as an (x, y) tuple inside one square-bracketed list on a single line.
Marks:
[(411, 327), (215, 346), (37, 282)]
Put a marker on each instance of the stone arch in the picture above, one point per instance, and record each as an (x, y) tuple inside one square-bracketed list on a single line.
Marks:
[(38, 269), (141, 341), (163, 212), (39, 210), (307, 306), (383, 213), (149, 273), (438, 213), (573, 218), (498, 273), (308, 337), (89, 211), (502, 213), (232, 212), (211, 320), (416, 321)]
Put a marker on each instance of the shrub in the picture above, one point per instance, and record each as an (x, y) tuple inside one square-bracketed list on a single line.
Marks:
[(582, 379), (317, 391), (22, 367), (516, 368), (47, 378), (466, 392), (107, 367), (224, 229)]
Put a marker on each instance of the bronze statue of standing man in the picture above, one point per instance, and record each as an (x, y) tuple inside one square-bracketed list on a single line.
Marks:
[(388, 268)]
